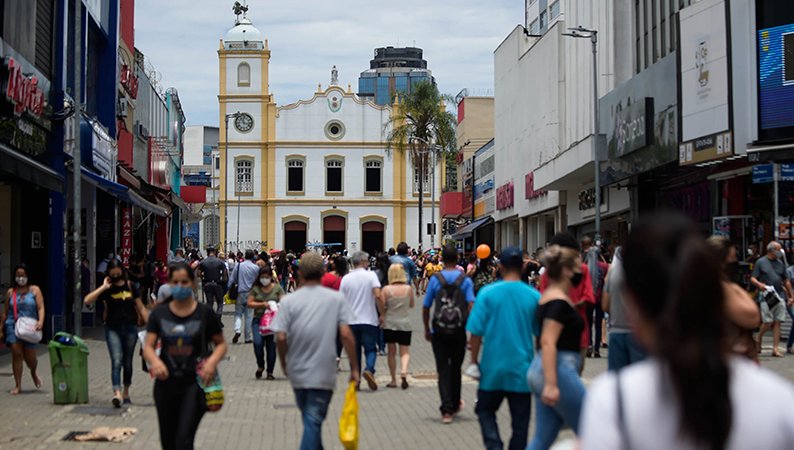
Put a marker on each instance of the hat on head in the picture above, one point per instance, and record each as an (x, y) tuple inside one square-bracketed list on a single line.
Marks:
[(511, 257)]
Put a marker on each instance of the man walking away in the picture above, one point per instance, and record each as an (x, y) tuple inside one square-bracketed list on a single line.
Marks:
[(306, 326), (213, 273), (410, 268), (361, 288), (503, 322), (624, 349), (769, 276), (452, 292), (248, 272)]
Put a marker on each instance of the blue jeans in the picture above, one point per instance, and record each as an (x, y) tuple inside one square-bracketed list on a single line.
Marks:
[(121, 345), (241, 309), (313, 404), (790, 340), (624, 350), (572, 392), (488, 403), (260, 343), (367, 337)]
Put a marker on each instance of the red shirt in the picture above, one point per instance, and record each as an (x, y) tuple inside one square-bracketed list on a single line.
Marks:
[(330, 280), (581, 293)]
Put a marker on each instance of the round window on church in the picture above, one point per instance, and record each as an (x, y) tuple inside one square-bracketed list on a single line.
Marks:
[(334, 130)]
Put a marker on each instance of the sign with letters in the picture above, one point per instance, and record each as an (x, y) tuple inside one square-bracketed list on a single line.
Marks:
[(504, 196), (634, 127), (126, 237)]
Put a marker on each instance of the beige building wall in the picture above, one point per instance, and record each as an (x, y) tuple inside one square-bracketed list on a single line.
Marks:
[(476, 128)]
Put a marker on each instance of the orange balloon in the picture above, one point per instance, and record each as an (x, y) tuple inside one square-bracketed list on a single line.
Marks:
[(483, 251)]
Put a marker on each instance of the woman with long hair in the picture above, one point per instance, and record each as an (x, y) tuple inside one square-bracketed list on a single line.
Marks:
[(22, 300), (186, 329), (484, 274), (123, 307), (692, 392), (336, 269), (266, 289), (421, 263), (554, 373), (398, 296)]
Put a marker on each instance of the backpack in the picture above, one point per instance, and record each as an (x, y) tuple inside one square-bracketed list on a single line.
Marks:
[(451, 312)]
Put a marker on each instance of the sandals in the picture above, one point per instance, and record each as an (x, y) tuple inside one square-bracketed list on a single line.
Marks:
[(404, 383), (392, 385)]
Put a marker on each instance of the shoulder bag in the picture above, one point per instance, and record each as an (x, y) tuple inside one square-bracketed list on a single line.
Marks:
[(140, 321), (25, 327), (213, 394), (234, 290)]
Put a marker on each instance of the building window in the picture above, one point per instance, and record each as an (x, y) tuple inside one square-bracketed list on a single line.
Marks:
[(645, 34), (335, 130), (534, 28), (672, 26), (663, 28), (555, 10), (295, 175), (637, 25), (212, 232), (543, 21), (333, 175), (245, 182), (426, 184), (654, 40), (372, 169), (243, 74)]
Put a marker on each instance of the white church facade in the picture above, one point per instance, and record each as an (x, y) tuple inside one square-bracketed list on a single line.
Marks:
[(312, 172)]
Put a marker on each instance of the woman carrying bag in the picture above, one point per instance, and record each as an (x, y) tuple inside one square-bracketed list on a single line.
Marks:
[(266, 289), (125, 313), (24, 303)]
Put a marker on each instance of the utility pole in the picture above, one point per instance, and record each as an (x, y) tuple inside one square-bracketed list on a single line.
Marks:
[(76, 172)]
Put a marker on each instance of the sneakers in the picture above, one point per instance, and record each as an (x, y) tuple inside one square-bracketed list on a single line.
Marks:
[(370, 380), (236, 338), (460, 407), (446, 419)]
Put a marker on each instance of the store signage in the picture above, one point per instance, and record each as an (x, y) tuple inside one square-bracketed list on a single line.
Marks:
[(787, 172), (634, 126), (102, 151), (705, 149), (587, 199), (529, 187), (126, 237), (23, 91), (459, 158), (763, 173), (504, 196), (129, 81), (482, 188)]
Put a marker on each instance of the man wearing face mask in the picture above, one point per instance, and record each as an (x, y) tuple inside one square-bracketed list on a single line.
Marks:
[(769, 276), (581, 292)]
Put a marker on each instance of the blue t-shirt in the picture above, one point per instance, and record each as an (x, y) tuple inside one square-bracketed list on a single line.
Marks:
[(451, 276), (504, 316)]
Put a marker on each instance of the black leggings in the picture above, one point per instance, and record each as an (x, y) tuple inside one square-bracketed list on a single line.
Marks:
[(180, 406)]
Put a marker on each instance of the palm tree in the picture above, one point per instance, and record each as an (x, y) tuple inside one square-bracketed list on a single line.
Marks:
[(421, 114)]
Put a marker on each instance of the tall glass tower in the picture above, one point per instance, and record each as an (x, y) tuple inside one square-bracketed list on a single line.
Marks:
[(393, 69)]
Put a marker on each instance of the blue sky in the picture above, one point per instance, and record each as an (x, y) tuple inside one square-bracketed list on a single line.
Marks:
[(308, 37)]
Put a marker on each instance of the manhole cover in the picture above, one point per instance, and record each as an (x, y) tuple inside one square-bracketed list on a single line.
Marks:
[(73, 434), (284, 406), (99, 410), (426, 376)]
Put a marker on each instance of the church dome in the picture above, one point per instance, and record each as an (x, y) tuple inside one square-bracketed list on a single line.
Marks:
[(244, 31)]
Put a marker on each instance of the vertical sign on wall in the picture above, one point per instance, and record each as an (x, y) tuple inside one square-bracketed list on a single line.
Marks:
[(126, 236)]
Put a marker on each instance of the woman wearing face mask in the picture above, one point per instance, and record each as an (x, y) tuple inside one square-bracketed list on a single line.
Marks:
[(186, 329), (29, 303), (266, 289), (553, 375), (122, 306)]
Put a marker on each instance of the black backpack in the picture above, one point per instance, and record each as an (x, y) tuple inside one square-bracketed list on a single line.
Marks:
[(452, 311)]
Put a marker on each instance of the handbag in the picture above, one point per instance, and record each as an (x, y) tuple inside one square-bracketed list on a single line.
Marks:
[(348, 420), (25, 327), (267, 319), (234, 290), (140, 321), (213, 394), (771, 298)]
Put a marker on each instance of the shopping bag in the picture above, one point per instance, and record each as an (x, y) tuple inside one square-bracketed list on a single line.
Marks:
[(157, 350), (348, 421), (267, 319)]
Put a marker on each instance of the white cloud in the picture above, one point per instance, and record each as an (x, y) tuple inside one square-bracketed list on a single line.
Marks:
[(308, 37)]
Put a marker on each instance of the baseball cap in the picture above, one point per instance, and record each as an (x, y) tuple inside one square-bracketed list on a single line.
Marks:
[(511, 257)]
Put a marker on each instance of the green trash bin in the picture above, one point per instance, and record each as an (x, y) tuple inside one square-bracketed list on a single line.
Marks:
[(69, 364)]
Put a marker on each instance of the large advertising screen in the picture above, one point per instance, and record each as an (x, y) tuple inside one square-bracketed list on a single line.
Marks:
[(775, 69)]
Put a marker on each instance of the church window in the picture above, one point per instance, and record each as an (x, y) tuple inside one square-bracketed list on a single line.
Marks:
[(333, 174), (243, 74), (244, 180), (295, 168)]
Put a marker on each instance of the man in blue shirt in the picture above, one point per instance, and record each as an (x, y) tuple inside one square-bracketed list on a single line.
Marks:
[(448, 350), (504, 318), (408, 264)]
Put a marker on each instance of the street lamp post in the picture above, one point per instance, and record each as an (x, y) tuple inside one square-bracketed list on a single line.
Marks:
[(582, 32), (226, 183), (423, 154)]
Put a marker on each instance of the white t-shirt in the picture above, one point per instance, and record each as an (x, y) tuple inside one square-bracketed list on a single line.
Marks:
[(763, 410), (357, 288)]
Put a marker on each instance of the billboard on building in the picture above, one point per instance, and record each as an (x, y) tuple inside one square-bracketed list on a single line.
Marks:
[(484, 189), (775, 25)]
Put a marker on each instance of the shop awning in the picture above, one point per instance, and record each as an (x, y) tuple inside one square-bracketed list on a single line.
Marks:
[(142, 203), (31, 170), (117, 190), (469, 229), (179, 202)]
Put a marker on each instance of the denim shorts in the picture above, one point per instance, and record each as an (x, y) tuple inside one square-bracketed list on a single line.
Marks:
[(11, 337)]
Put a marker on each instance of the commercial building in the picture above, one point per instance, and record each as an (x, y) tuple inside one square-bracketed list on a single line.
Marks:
[(201, 177), (393, 69)]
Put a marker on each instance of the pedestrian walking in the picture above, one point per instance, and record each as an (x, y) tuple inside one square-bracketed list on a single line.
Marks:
[(408, 264), (361, 288), (775, 294), (398, 299), (306, 326), (485, 273), (198, 286), (213, 274), (502, 321), (624, 348), (553, 375), (147, 282), (266, 289), (335, 270), (187, 361), (124, 308), (452, 293), (420, 281), (691, 393), (382, 264), (22, 300), (245, 275), (160, 275)]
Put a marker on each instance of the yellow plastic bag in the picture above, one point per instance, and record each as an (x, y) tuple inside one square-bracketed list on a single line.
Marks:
[(348, 421)]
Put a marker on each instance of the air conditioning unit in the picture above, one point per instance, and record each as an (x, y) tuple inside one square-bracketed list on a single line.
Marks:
[(122, 108)]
